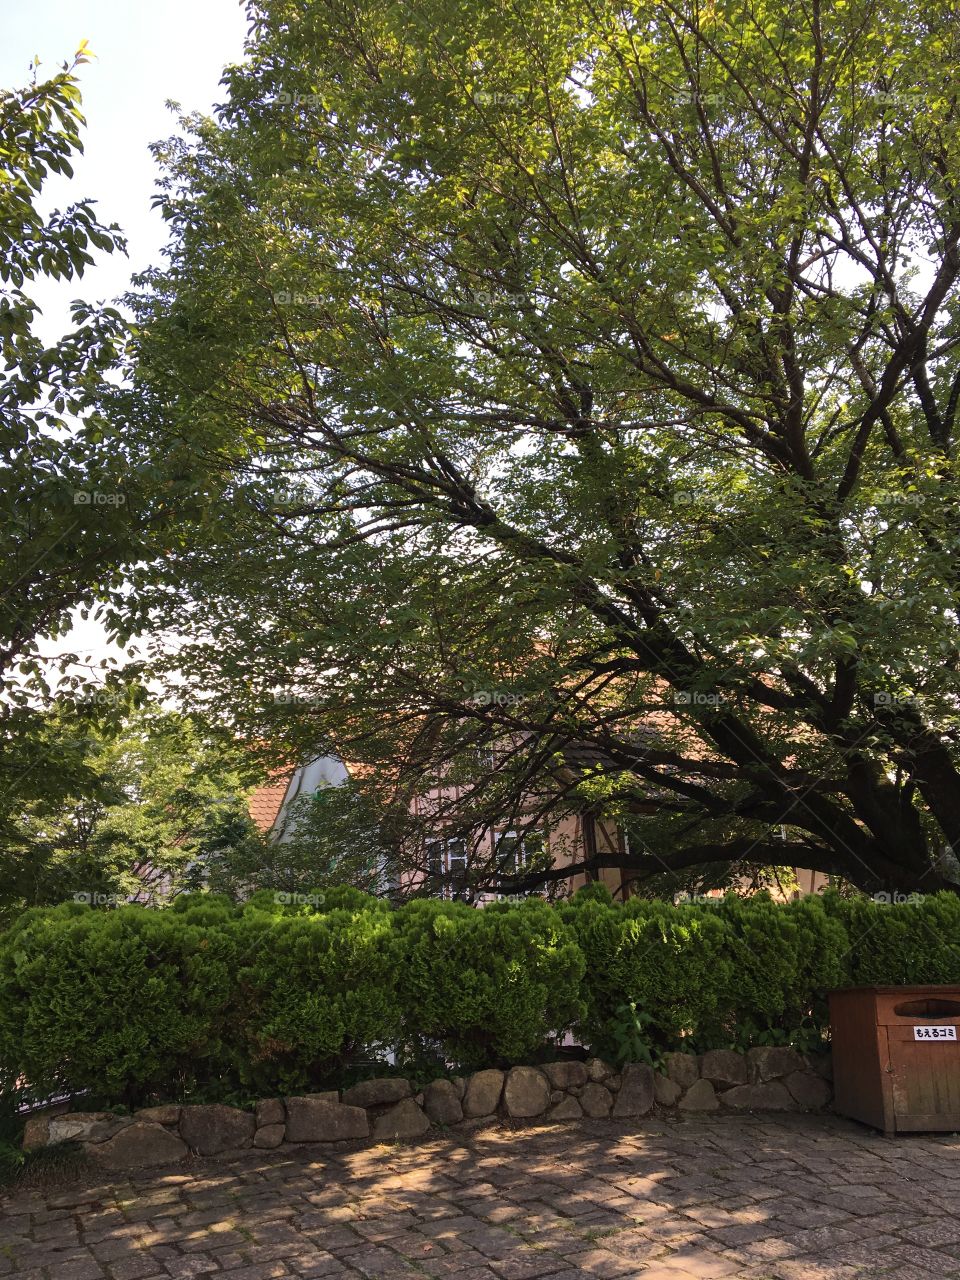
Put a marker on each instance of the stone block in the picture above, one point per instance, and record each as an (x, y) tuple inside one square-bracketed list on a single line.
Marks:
[(139, 1145), (377, 1093), (270, 1111), (483, 1093), (665, 1091), (724, 1068), (210, 1128), (682, 1068), (769, 1063), (313, 1119), (596, 1100), (808, 1089), (167, 1114), (770, 1096), (526, 1092), (701, 1096), (564, 1074), (598, 1070), (404, 1120), (636, 1092), (36, 1132), (86, 1126), (269, 1136), (568, 1109), (441, 1101)]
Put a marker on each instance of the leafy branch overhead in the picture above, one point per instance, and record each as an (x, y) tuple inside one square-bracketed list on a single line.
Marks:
[(581, 383), (84, 492)]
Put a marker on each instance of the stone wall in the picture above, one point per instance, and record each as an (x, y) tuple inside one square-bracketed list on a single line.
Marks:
[(387, 1110)]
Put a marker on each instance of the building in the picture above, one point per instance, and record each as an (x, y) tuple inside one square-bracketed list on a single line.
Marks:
[(567, 840)]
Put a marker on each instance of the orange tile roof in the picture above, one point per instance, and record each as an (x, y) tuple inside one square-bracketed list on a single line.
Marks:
[(265, 803)]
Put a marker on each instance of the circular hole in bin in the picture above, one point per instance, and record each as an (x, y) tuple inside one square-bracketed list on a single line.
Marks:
[(931, 1007)]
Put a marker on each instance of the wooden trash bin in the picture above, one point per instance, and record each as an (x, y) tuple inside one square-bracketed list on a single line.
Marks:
[(896, 1057)]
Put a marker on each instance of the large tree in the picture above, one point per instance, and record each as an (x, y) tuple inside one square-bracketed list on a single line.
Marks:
[(583, 383)]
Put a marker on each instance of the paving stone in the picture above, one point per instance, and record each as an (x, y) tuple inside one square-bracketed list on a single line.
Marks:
[(752, 1197)]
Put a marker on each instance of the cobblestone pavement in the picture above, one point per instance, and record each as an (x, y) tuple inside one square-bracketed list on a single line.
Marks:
[(796, 1198)]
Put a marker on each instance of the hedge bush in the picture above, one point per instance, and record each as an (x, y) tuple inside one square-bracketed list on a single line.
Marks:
[(314, 993), (486, 986), (125, 1003), (218, 1000)]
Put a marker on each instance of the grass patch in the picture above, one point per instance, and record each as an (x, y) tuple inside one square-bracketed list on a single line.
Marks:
[(43, 1167)]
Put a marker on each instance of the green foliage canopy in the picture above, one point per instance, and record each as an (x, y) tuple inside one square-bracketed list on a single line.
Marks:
[(585, 378)]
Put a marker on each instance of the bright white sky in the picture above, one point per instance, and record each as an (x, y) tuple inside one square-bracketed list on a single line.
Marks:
[(147, 52)]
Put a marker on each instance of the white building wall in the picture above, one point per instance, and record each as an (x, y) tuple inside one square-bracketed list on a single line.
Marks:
[(325, 771)]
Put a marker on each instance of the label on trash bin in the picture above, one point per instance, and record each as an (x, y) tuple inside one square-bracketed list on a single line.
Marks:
[(934, 1033)]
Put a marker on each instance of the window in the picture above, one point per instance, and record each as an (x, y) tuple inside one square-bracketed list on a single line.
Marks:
[(515, 852), (435, 858), (457, 858), (447, 866)]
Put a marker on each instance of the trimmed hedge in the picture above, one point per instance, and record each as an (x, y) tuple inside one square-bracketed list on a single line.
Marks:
[(486, 986), (211, 999)]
